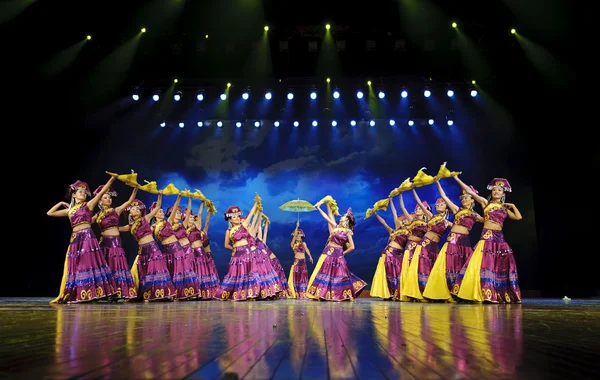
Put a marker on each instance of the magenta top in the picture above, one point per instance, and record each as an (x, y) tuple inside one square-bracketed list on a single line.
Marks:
[(465, 218), (107, 218), (417, 228), (400, 236), (239, 232), (299, 247), (140, 228), (205, 240), (194, 233), (494, 212), (179, 231), (340, 236), (438, 225), (163, 230), (79, 214)]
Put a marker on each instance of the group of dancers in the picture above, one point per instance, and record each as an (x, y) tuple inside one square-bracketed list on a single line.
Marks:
[(174, 259)]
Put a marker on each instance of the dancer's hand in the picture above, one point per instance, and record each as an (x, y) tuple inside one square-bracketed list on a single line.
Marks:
[(509, 206), (311, 260), (297, 224)]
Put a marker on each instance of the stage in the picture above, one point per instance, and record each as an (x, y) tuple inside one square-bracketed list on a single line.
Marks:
[(290, 339)]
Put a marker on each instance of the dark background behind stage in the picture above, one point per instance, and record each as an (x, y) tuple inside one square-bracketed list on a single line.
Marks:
[(79, 133)]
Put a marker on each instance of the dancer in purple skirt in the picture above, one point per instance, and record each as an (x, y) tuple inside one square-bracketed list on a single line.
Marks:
[(298, 279), (457, 249), (490, 274), (180, 267), (110, 241), (427, 251), (261, 244), (208, 282), (180, 231), (334, 281), (206, 243), (149, 270), (86, 275)]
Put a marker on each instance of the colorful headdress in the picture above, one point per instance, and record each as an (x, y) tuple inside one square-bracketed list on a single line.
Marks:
[(78, 185), (139, 204), (351, 220), (439, 201), (424, 204), (243, 217), (300, 233), (184, 212), (170, 210), (463, 192), (232, 211), (110, 191), (402, 217), (501, 183)]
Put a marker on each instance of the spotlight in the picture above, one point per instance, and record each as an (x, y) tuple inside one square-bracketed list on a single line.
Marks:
[(175, 80), (268, 96), (276, 124), (336, 94), (200, 96), (238, 124), (177, 96), (290, 96), (334, 123), (372, 123), (427, 93), (143, 30), (88, 37), (266, 28), (314, 123), (430, 121), (296, 124), (392, 122), (450, 93), (245, 96), (368, 82), (327, 26), (411, 123), (228, 84), (219, 124), (474, 93), (381, 94), (313, 95), (512, 31), (156, 97), (257, 124), (223, 96), (450, 122), (135, 96), (200, 124), (353, 123), (359, 94), (163, 124), (454, 25), (328, 80), (404, 93), (181, 125)]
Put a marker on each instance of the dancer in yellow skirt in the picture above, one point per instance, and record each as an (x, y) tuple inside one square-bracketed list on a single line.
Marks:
[(298, 279), (417, 227)]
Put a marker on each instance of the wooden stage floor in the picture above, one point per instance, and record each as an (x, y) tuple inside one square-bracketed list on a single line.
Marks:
[(291, 339)]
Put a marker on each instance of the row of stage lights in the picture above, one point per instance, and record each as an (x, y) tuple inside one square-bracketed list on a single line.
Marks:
[(313, 95), (314, 123)]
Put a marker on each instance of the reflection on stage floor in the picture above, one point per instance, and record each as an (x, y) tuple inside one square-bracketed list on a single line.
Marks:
[(289, 339)]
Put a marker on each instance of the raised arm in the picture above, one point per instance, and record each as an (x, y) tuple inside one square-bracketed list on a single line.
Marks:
[(481, 200), (512, 211), (330, 222), (227, 242), (425, 210), (382, 221), (453, 207), (349, 245), (307, 252), (265, 232), (206, 222), (294, 235), (199, 218), (255, 225), (409, 217), (394, 213), (246, 221), (153, 213), (124, 206), (92, 203), (54, 211), (188, 211), (171, 219)]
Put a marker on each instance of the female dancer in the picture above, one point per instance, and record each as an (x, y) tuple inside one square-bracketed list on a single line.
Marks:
[(206, 245), (428, 249), (180, 232), (386, 282), (491, 272), (334, 281), (149, 270), (86, 275), (184, 277), (110, 241), (298, 279), (417, 227), (457, 249), (261, 244), (207, 281), (244, 279)]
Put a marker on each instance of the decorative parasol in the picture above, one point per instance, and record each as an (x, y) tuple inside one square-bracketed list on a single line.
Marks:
[(297, 205)]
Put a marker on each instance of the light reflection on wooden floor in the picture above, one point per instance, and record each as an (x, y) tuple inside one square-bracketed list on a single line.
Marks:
[(289, 339)]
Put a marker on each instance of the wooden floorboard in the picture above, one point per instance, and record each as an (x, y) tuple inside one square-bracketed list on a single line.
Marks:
[(295, 339)]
